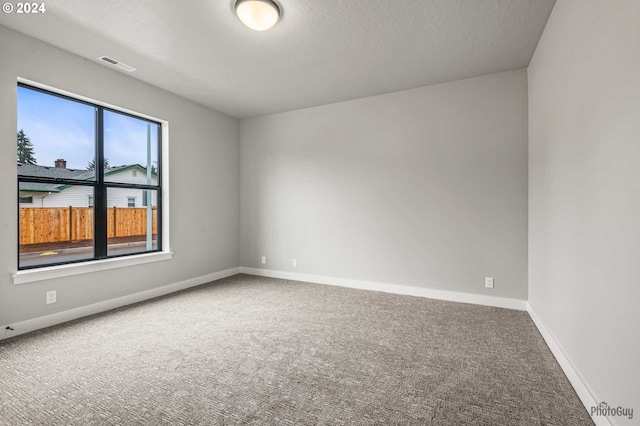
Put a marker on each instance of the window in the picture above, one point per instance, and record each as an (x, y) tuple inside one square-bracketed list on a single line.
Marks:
[(85, 161)]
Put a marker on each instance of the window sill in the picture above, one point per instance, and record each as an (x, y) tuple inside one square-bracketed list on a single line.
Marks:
[(61, 271)]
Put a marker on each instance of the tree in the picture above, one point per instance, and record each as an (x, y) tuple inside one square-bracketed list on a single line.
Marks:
[(92, 164), (26, 154)]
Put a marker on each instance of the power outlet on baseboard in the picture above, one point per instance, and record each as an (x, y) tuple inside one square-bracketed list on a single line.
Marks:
[(51, 297), (294, 263), (264, 260), (488, 282)]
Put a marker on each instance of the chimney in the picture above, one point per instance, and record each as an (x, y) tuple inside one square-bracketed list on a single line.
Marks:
[(61, 163)]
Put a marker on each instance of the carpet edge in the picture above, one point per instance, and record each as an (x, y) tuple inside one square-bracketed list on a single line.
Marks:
[(452, 296), (578, 384), (33, 324)]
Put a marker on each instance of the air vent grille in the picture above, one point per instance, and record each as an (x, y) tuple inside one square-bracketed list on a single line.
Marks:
[(117, 64)]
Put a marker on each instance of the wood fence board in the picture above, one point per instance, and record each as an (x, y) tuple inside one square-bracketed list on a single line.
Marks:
[(56, 224)]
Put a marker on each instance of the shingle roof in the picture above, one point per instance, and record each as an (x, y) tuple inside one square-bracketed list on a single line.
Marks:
[(59, 173), (38, 187)]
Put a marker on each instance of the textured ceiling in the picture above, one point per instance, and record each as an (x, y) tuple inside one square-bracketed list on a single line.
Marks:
[(322, 51)]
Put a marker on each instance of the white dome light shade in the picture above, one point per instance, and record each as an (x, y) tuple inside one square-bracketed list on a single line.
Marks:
[(258, 15)]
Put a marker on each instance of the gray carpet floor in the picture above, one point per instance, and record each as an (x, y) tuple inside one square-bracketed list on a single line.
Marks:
[(251, 350)]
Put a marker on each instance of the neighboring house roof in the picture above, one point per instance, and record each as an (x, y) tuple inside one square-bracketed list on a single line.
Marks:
[(60, 173), (53, 172), (38, 187)]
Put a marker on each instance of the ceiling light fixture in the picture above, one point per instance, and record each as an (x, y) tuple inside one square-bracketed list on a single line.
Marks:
[(258, 15)]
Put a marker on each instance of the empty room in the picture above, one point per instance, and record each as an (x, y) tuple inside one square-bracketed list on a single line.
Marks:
[(320, 212)]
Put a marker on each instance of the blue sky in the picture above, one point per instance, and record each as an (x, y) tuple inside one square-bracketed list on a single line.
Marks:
[(59, 128)]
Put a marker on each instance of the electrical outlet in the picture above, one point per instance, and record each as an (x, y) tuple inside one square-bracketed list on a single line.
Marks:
[(488, 282), (51, 297), (264, 260), (294, 262)]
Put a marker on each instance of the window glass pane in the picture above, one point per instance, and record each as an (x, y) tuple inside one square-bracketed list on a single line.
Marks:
[(57, 145), (57, 227), (25, 199), (55, 136), (131, 229), (130, 149)]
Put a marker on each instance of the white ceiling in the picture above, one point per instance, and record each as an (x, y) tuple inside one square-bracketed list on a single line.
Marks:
[(322, 51)]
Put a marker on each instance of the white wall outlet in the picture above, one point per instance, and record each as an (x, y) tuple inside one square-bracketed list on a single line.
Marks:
[(488, 282), (51, 297), (264, 260), (294, 263)]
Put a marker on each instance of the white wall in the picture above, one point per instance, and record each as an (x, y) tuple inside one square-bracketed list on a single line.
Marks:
[(424, 187), (135, 175), (77, 196), (203, 166), (584, 192)]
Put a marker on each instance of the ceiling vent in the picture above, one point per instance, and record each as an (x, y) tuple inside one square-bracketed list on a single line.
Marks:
[(117, 64)]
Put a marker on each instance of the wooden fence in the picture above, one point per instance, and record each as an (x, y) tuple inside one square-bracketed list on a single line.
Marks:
[(56, 224)]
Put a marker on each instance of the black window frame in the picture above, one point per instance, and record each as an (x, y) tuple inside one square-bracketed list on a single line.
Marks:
[(100, 186)]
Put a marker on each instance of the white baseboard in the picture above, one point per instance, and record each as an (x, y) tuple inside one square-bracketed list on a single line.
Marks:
[(453, 296), (575, 379), (95, 308)]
